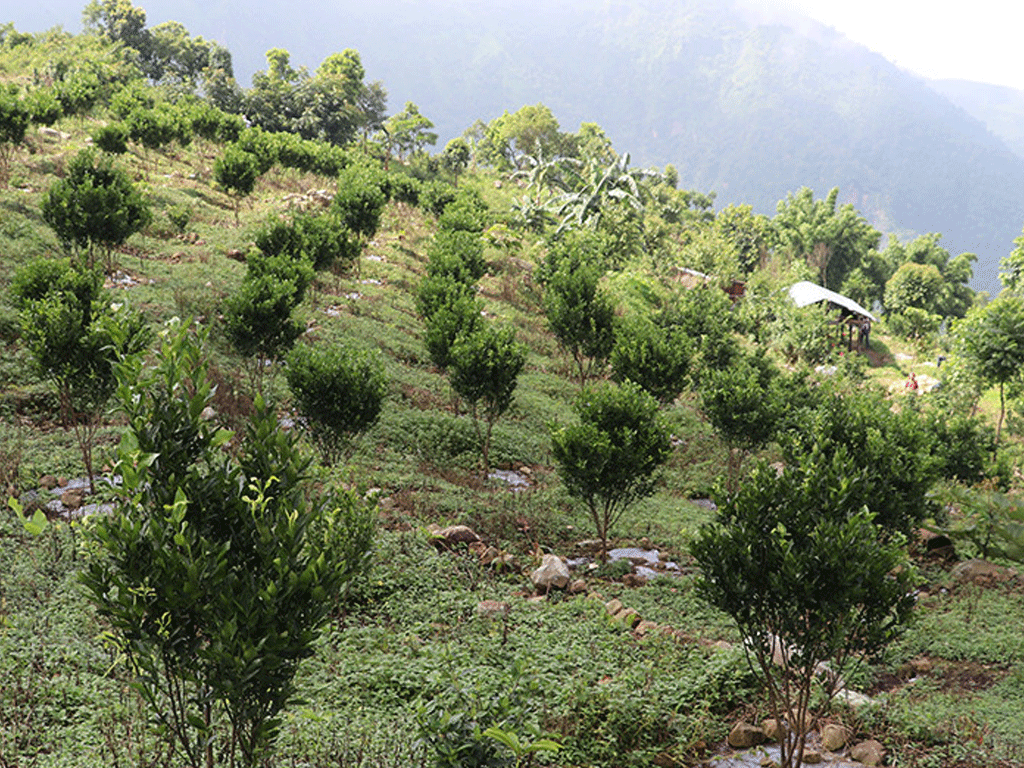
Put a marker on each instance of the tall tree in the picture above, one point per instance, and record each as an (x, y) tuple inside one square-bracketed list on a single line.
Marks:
[(1011, 272), (832, 239), (409, 131)]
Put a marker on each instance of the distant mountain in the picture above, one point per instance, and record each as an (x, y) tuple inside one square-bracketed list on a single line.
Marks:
[(1001, 109), (748, 105)]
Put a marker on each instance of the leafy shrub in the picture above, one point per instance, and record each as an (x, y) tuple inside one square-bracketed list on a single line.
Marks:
[(459, 316), (798, 563), (338, 391), (656, 358), (95, 206), (360, 198), (258, 318), (404, 189), (43, 106), (260, 145), (180, 215), (321, 240), (215, 595), (435, 196), (608, 458), (112, 138)]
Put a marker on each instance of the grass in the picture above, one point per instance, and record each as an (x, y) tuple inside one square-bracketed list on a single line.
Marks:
[(410, 642)]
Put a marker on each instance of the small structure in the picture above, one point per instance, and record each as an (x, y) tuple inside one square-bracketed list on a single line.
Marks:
[(852, 316)]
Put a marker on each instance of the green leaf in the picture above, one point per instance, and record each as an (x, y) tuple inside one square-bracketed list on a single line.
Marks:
[(37, 524)]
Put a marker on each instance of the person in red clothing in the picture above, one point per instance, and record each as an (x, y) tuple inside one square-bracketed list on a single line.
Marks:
[(911, 384)]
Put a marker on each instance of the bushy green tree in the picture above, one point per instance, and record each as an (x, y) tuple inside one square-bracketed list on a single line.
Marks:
[(914, 284), (455, 157), (409, 132), (579, 313), (656, 357), (360, 199), (484, 370), (14, 120), (338, 391), (609, 457), (217, 570), (990, 340), (703, 315), (1011, 268), (258, 318), (75, 334), (454, 312), (320, 239), (94, 207), (798, 562), (893, 450), (744, 405), (111, 138), (237, 171), (43, 106)]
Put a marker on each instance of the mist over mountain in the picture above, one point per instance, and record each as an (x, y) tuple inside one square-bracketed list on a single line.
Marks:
[(745, 104), (1001, 109)]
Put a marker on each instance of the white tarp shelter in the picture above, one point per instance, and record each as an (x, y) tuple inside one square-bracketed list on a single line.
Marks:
[(805, 293)]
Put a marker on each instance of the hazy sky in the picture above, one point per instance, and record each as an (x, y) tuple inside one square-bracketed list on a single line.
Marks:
[(973, 40)]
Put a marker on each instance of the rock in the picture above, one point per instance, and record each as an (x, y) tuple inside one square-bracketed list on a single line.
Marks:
[(664, 760), (645, 627), (853, 699), (630, 617), (744, 735), (49, 482), (72, 498), (937, 544), (980, 572), (833, 737), (633, 581), (869, 752), (812, 756), (489, 609), (578, 587), (489, 555), (235, 254), (62, 482), (773, 729), (446, 538), (553, 573), (614, 607), (478, 548)]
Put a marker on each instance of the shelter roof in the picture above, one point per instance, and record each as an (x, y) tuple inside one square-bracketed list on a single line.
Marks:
[(805, 293)]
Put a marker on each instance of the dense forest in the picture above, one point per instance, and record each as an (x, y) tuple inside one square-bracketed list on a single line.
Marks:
[(328, 442)]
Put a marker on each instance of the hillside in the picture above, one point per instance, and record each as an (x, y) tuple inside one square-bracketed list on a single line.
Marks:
[(749, 105), (441, 640)]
